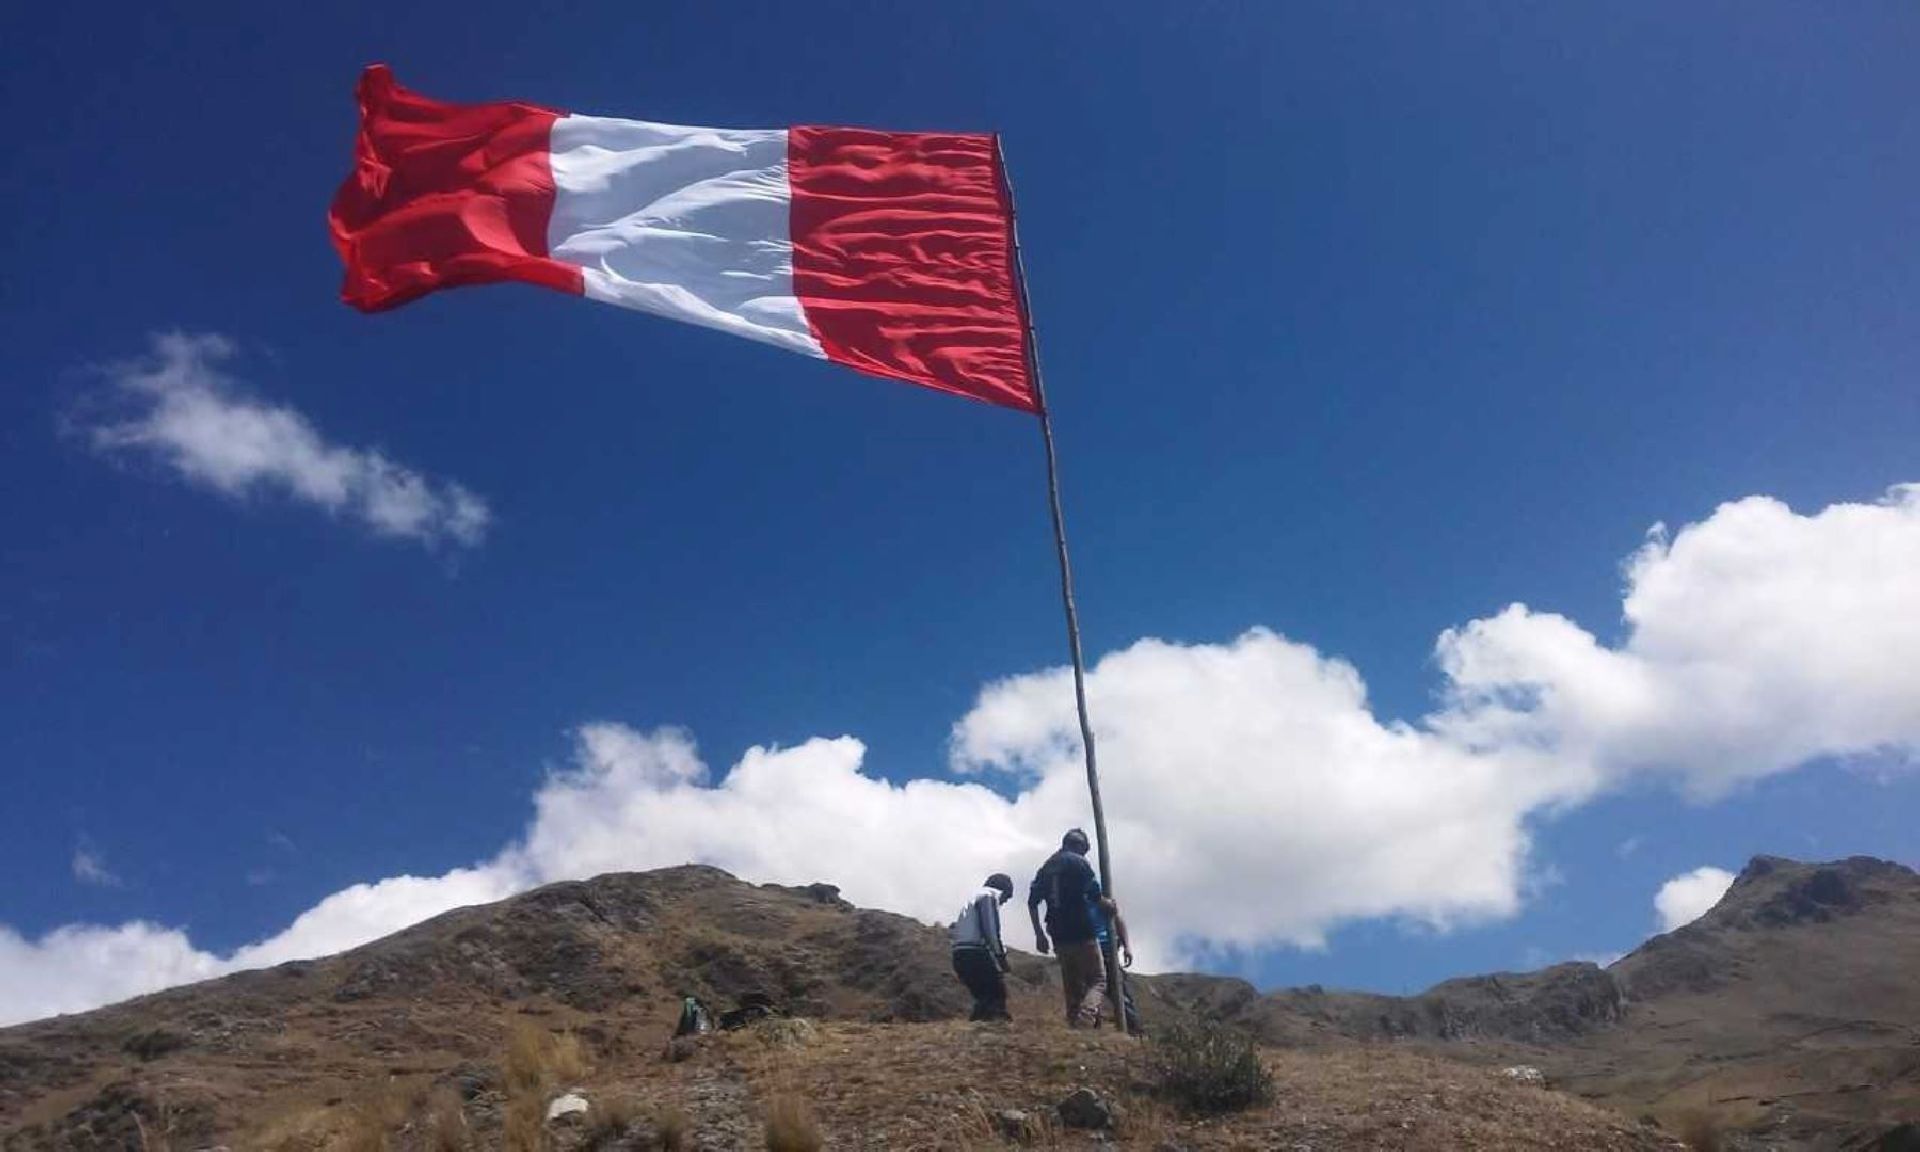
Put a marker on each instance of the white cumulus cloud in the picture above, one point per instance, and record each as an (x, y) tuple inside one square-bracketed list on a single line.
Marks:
[(1758, 639), (177, 406), (1690, 895), (83, 966), (1255, 799)]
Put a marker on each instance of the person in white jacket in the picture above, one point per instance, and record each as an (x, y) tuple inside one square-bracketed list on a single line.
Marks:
[(979, 954)]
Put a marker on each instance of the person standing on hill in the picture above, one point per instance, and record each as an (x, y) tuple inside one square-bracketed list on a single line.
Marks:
[(1110, 929), (1067, 886), (979, 952)]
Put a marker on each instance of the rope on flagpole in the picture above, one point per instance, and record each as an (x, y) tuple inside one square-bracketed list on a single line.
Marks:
[(1116, 974)]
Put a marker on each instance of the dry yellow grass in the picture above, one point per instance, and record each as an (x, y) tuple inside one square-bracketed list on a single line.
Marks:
[(567, 1060), (523, 1126), (790, 1126), (672, 1128), (156, 1133), (536, 1064), (945, 1085), (612, 1119), (444, 1122), (538, 1060), (374, 1116)]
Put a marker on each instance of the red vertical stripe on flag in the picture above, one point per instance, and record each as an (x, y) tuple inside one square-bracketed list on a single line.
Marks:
[(444, 194), (903, 259)]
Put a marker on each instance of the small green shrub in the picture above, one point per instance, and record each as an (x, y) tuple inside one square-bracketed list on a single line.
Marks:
[(153, 1044), (1208, 1069)]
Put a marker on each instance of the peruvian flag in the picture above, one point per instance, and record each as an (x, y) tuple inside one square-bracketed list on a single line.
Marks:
[(889, 252)]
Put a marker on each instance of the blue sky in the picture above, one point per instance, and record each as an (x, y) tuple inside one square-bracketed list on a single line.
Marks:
[(1360, 323)]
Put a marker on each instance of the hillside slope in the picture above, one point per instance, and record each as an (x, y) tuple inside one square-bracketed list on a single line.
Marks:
[(1793, 1005), (1791, 1009), (410, 1042)]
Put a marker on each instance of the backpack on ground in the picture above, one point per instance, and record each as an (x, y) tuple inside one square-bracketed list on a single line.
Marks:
[(694, 1018)]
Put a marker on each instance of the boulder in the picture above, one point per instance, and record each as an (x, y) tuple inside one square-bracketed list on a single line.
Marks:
[(1086, 1110), (568, 1109)]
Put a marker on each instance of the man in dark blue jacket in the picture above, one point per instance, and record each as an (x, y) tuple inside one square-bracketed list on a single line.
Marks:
[(1067, 886)]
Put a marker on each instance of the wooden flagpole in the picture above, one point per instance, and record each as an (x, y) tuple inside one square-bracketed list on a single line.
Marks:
[(1116, 975)]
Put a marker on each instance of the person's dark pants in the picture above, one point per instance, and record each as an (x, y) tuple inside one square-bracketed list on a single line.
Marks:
[(1115, 974), (980, 972)]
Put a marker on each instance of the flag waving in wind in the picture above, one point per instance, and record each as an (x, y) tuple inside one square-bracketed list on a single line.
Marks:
[(889, 252)]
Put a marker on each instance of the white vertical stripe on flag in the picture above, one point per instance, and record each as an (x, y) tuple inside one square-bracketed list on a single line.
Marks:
[(688, 223)]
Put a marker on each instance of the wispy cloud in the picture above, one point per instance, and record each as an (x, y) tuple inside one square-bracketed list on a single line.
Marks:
[(90, 866), (177, 406)]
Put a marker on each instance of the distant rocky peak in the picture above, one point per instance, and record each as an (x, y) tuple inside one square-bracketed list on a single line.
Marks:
[(1773, 891)]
